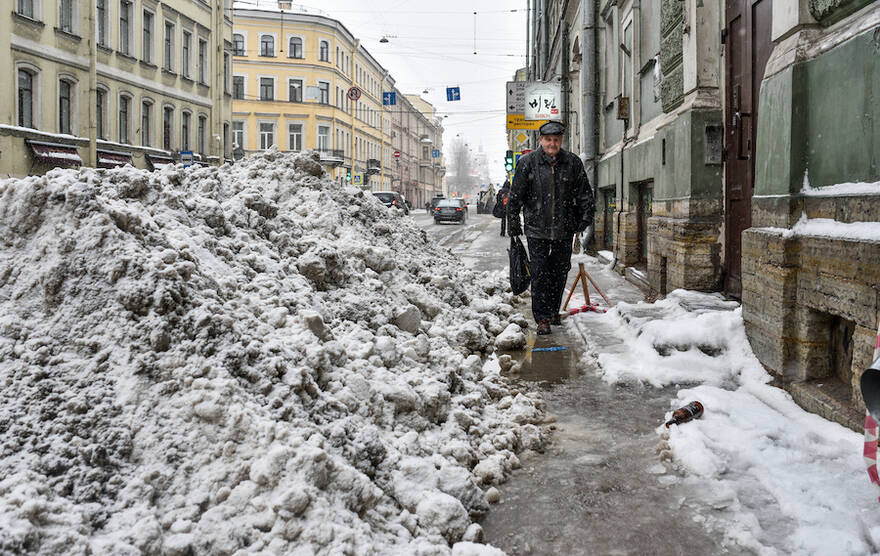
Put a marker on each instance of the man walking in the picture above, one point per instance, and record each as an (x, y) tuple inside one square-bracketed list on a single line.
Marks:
[(551, 189), (500, 208)]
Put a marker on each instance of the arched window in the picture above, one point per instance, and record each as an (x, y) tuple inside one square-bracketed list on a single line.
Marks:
[(238, 44), (123, 118), (295, 48), (267, 45), (324, 51), (65, 106), (25, 98)]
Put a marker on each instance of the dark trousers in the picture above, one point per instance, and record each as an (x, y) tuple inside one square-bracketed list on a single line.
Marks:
[(550, 261), (503, 224)]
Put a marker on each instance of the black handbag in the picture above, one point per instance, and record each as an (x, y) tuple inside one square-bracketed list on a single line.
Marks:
[(520, 272)]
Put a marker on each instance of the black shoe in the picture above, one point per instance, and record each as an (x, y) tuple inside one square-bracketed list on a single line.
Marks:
[(544, 327), (556, 321)]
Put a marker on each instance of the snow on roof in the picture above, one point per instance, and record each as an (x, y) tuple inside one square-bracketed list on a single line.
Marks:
[(247, 357)]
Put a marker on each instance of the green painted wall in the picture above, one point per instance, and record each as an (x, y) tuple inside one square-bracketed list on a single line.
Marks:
[(829, 11), (821, 116)]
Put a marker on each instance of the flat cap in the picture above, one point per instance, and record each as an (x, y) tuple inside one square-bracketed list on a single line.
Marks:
[(551, 128)]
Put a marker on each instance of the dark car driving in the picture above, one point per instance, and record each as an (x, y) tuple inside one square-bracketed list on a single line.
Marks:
[(392, 199), (450, 210)]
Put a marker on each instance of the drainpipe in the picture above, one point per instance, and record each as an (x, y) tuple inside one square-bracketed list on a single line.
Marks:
[(545, 39), (528, 37), (566, 82), (93, 87), (588, 88)]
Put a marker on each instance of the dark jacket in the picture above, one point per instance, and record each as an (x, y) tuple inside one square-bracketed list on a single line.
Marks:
[(555, 198)]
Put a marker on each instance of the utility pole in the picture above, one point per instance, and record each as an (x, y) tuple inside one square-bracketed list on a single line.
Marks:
[(357, 44)]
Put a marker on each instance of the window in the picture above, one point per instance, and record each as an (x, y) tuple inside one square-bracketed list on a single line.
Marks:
[(226, 152), (267, 45), (101, 15), (124, 27), (323, 92), (626, 69), (227, 71), (238, 87), (201, 134), (267, 88), (238, 44), (185, 53), (238, 134), (167, 121), (147, 55), (123, 119), (295, 137), (203, 60), (295, 47), (267, 135), (65, 90), (184, 131), (323, 137), (324, 51), (169, 46), (25, 98), (26, 8), (146, 108), (295, 90), (65, 16), (100, 106)]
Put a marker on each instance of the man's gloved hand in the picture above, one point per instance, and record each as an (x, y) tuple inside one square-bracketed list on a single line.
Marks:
[(514, 228)]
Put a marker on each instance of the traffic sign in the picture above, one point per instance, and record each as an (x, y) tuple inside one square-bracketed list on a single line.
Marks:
[(354, 93), (389, 98), (396, 154), (453, 93), (357, 178), (518, 121), (435, 153), (186, 158), (516, 97)]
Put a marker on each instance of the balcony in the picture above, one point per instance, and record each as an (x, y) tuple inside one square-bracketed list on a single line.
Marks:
[(373, 166), (331, 157), (425, 139)]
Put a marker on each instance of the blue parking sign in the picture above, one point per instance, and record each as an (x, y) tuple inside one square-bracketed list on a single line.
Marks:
[(453, 93), (389, 98)]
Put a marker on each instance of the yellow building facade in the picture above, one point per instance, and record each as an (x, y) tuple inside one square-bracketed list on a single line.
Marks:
[(292, 73), (109, 82)]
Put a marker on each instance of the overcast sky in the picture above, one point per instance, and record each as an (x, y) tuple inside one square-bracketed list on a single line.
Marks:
[(431, 46)]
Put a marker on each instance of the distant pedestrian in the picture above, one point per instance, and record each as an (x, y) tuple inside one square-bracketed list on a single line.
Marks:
[(501, 200), (428, 207), (551, 189)]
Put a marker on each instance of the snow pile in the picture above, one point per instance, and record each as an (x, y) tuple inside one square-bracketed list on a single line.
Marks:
[(773, 478), (242, 358)]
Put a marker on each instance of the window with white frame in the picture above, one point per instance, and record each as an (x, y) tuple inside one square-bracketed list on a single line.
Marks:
[(168, 53), (238, 87), (238, 44), (147, 44), (200, 138), (185, 53), (184, 130), (65, 105), (101, 23), (27, 86), (125, 27), (295, 47), (203, 60), (323, 137), (123, 118), (295, 90), (324, 51), (324, 92), (238, 134), (66, 16), (295, 137), (267, 135), (146, 115), (101, 112), (267, 45), (267, 88), (26, 8), (167, 123)]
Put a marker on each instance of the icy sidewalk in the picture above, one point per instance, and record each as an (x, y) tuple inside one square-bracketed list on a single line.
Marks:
[(775, 479)]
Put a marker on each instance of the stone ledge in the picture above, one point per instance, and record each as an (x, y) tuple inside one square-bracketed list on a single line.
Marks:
[(827, 397)]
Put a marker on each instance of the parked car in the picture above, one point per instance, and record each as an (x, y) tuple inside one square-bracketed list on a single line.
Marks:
[(450, 210), (392, 199)]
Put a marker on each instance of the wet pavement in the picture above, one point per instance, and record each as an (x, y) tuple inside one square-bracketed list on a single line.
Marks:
[(601, 486)]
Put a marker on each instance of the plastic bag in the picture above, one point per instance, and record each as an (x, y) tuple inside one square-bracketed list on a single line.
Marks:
[(520, 271)]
